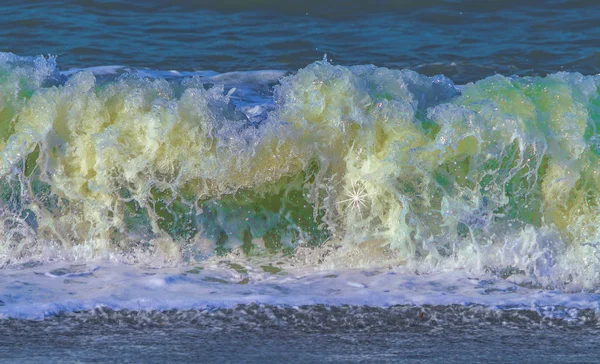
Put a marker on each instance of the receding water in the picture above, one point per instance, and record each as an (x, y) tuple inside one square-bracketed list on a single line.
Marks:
[(258, 334)]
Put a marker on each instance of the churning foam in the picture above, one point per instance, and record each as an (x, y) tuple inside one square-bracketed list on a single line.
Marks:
[(344, 167)]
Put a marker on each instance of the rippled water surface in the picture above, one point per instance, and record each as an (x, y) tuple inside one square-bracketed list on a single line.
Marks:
[(258, 334), (465, 40)]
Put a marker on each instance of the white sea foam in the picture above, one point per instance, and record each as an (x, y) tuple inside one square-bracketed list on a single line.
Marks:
[(341, 169), (38, 292)]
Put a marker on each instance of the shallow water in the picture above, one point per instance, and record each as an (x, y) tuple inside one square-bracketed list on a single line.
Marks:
[(256, 334)]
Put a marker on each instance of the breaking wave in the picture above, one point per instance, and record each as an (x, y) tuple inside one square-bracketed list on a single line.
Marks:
[(336, 165)]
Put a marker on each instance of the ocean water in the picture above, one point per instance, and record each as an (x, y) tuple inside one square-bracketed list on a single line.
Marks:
[(260, 182)]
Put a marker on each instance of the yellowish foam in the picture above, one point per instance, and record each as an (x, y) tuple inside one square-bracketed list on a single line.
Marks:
[(409, 162)]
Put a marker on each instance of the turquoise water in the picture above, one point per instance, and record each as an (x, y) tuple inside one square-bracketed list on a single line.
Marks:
[(379, 174)]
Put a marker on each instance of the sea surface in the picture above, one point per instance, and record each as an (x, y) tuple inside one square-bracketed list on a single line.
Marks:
[(262, 181)]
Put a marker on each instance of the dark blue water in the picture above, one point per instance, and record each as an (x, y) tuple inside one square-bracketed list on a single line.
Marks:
[(465, 40)]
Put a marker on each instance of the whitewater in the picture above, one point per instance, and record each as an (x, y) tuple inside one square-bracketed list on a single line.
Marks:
[(154, 190)]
